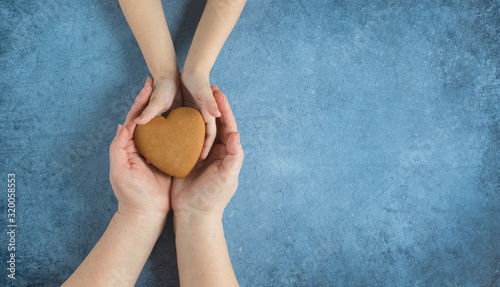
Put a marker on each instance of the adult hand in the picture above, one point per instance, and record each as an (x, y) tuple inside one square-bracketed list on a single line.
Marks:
[(210, 185), (140, 188), (196, 93), (143, 203), (167, 95)]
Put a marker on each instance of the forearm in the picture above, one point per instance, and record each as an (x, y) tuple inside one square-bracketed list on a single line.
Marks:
[(202, 255), (216, 23), (120, 254), (147, 21)]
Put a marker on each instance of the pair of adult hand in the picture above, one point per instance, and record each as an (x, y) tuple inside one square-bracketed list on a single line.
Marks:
[(193, 91), (143, 190)]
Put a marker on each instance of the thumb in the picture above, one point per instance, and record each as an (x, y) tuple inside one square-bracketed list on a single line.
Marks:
[(117, 153), (234, 158)]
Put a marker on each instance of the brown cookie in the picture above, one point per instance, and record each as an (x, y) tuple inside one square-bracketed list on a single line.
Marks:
[(172, 144)]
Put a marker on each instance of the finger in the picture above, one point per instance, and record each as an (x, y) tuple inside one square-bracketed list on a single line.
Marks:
[(117, 150), (233, 160), (207, 102), (139, 104), (210, 133), (227, 121), (214, 88)]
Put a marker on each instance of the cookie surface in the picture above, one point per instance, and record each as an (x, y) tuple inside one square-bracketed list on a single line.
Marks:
[(172, 144)]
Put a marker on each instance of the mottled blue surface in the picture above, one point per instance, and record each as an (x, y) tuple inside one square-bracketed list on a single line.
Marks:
[(371, 132)]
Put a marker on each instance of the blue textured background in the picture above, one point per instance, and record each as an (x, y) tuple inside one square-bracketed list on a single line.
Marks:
[(371, 132)]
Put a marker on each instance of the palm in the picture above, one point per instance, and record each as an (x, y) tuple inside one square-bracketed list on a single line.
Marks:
[(194, 191), (144, 176), (144, 187)]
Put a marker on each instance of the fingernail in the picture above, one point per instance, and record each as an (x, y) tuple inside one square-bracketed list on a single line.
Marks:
[(119, 130), (238, 137)]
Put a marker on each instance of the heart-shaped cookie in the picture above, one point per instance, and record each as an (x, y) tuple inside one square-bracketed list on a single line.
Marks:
[(172, 144)]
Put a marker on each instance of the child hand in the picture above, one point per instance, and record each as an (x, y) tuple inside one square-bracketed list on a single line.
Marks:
[(210, 185), (197, 94), (166, 95), (140, 188)]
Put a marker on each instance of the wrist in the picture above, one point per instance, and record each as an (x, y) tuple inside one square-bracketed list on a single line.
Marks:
[(198, 68), (148, 226), (171, 80), (188, 221), (167, 74)]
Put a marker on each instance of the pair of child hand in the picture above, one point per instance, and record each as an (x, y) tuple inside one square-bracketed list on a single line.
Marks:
[(194, 91), (143, 190)]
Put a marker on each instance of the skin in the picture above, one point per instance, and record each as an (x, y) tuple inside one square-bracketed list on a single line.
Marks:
[(147, 22), (198, 202), (153, 37), (145, 196)]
